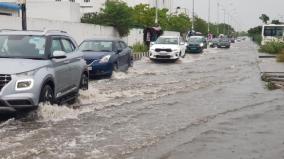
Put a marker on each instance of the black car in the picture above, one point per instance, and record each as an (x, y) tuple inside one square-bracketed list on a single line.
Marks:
[(105, 55), (224, 43), (196, 44)]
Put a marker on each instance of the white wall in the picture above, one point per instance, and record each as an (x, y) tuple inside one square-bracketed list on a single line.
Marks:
[(79, 31), (63, 11)]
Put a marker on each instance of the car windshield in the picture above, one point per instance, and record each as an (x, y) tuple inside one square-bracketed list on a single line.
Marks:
[(163, 40), (22, 46), (224, 39), (96, 46), (195, 40)]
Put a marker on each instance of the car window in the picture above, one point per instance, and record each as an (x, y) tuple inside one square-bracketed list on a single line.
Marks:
[(56, 45), (96, 46), (68, 45), (22, 46)]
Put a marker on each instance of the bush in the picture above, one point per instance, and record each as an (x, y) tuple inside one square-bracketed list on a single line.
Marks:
[(273, 47), (139, 47)]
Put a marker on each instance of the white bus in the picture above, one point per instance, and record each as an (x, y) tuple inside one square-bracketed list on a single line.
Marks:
[(272, 32)]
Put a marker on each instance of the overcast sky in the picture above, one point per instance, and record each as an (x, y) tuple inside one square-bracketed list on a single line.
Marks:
[(246, 12)]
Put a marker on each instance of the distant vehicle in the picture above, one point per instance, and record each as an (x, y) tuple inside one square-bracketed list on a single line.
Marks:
[(105, 55), (272, 32), (196, 44), (233, 40), (168, 47), (39, 67), (224, 43), (213, 43)]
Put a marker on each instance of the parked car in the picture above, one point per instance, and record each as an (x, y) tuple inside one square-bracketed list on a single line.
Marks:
[(196, 44), (39, 67), (213, 43), (224, 43), (168, 48), (105, 55)]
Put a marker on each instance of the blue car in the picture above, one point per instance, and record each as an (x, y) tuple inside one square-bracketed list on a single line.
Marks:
[(104, 56)]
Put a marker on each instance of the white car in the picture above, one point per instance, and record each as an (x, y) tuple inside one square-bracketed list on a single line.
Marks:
[(168, 47)]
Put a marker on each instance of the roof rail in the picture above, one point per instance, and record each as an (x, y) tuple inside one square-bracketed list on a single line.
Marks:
[(2, 30), (50, 30)]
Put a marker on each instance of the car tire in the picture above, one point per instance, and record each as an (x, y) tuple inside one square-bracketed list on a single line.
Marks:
[(84, 82), (47, 95), (130, 62)]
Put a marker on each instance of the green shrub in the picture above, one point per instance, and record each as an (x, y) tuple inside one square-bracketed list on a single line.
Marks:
[(273, 47), (139, 47)]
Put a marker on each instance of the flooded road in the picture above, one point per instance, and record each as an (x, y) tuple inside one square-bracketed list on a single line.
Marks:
[(211, 106)]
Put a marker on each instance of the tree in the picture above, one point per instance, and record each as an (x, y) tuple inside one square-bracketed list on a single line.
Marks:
[(116, 13), (180, 23), (264, 18), (276, 22)]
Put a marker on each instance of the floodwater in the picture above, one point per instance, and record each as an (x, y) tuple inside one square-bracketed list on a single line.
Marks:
[(206, 106)]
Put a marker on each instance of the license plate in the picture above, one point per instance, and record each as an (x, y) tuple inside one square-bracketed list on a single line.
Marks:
[(90, 68)]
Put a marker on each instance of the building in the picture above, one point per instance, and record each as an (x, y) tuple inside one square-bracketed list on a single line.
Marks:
[(92, 6), (68, 10), (9, 9)]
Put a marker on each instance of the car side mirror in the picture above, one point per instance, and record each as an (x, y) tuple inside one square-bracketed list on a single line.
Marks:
[(152, 43), (118, 51), (59, 55)]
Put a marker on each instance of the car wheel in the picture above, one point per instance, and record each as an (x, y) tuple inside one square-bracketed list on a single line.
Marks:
[(130, 62), (84, 84), (47, 95)]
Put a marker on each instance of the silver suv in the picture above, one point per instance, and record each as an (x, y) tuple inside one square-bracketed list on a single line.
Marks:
[(39, 66)]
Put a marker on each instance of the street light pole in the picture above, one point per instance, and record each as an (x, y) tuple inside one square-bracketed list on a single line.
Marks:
[(156, 17), (192, 26), (209, 10), (224, 26), (24, 15), (218, 18)]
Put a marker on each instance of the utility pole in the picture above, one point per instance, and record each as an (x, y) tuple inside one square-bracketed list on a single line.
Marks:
[(156, 17), (192, 25), (224, 25), (24, 15), (209, 10), (218, 18)]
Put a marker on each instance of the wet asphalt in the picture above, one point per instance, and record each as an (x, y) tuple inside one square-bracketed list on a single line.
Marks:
[(206, 106)]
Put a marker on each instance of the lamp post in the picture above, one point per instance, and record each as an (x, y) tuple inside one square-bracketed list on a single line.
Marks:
[(218, 18), (209, 10), (156, 17), (22, 3), (192, 26), (224, 26)]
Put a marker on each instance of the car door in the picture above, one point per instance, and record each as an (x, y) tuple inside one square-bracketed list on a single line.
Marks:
[(61, 68), (74, 63)]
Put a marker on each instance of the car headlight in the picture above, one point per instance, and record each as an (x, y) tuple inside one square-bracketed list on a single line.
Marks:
[(201, 45), (105, 59), (25, 84)]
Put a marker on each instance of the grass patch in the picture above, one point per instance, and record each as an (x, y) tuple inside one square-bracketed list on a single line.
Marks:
[(273, 47), (139, 47)]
